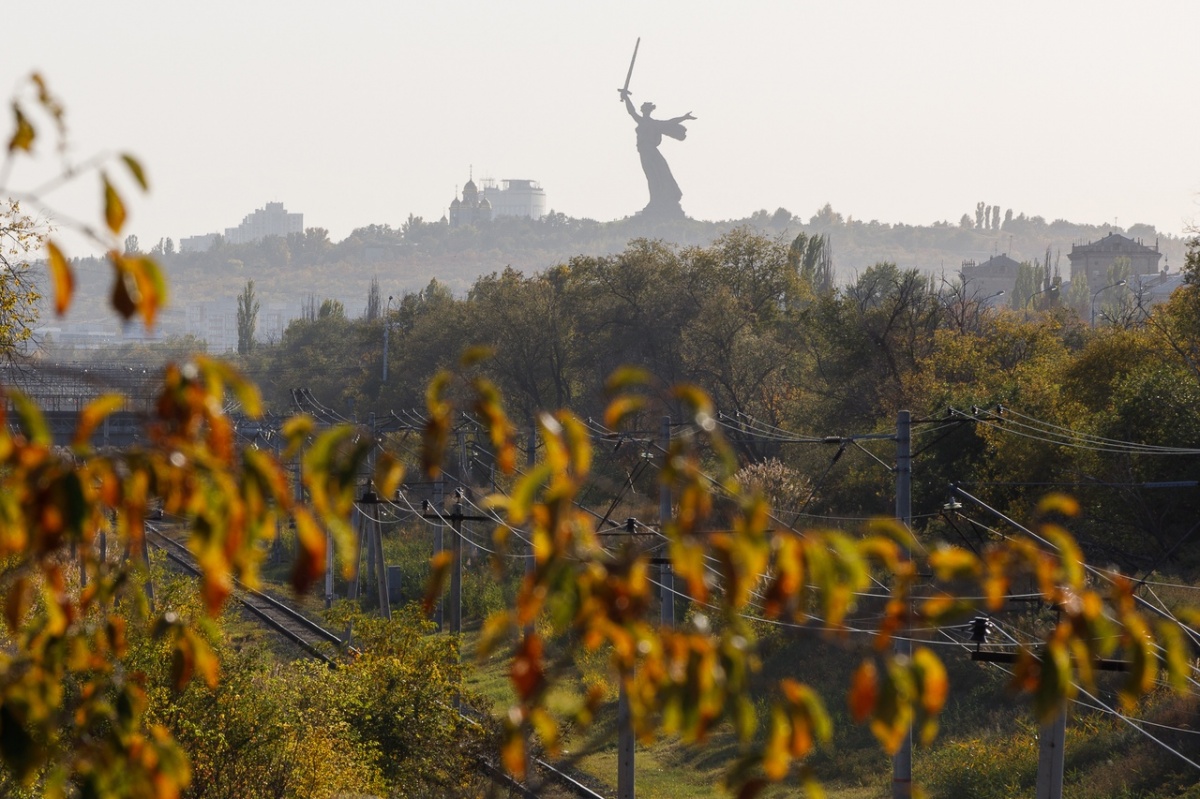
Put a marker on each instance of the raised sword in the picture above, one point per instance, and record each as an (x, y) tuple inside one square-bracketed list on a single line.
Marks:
[(624, 91)]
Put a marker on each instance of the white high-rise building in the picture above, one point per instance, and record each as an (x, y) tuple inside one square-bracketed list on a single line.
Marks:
[(273, 220), (516, 197)]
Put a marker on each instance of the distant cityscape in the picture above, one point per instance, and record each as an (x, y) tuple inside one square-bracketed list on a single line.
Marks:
[(215, 322), (996, 278), (993, 281)]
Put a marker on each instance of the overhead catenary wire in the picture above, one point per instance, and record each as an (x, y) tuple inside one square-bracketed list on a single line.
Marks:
[(1132, 722), (1049, 433)]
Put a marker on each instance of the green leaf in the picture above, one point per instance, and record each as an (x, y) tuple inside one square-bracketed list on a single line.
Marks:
[(1175, 655), (135, 169), (524, 493), (33, 424)]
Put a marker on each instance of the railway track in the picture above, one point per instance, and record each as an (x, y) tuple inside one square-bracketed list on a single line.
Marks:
[(286, 621), (315, 640)]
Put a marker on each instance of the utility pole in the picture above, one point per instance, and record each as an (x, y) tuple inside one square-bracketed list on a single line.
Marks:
[(902, 760), (624, 746), (438, 542), (387, 329), (665, 573), (376, 537), (356, 519), (530, 462), (530, 567), (625, 738), (456, 521), (149, 586), (1052, 739)]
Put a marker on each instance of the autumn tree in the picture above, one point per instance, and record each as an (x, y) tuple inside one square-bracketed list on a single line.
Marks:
[(21, 237)]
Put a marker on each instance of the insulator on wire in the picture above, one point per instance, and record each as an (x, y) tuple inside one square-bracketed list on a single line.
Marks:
[(981, 626)]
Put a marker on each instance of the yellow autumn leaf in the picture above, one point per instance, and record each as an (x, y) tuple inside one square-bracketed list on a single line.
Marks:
[(622, 408), (92, 415), (62, 279), (114, 206), (389, 474), (23, 136)]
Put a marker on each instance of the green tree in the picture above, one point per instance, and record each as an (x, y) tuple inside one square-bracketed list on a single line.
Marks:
[(870, 338), (374, 309), (1079, 296), (527, 323), (247, 318), (1029, 282), (812, 258), (1120, 304), (331, 309)]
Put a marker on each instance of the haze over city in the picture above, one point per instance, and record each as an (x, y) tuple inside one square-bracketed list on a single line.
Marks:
[(368, 112)]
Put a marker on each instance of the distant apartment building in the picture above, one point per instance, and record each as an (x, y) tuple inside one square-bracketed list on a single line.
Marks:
[(514, 197), (216, 323), (201, 243), (272, 220), (1096, 258), (996, 274)]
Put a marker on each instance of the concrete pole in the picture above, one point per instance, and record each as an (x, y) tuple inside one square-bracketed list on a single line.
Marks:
[(456, 520), (902, 760), (1052, 739), (376, 535), (329, 570), (386, 330), (665, 573), (149, 587), (625, 786), (439, 543), (530, 462), (530, 567), (357, 520)]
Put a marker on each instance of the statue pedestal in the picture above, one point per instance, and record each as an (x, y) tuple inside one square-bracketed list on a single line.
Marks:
[(664, 212)]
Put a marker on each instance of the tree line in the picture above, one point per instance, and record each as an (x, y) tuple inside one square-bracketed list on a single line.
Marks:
[(757, 323)]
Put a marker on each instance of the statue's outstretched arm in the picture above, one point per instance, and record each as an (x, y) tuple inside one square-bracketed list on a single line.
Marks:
[(629, 105), (683, 118)]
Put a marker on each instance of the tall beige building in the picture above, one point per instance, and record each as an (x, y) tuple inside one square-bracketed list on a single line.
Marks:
[(1095, 258)]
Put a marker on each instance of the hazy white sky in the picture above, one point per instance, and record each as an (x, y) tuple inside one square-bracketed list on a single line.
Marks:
[(361, 112)]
